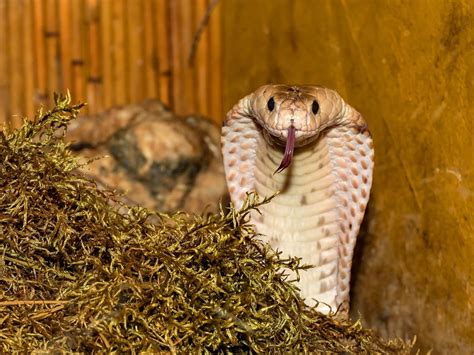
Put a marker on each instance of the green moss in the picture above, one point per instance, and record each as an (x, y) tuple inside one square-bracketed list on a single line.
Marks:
[(82, 272)]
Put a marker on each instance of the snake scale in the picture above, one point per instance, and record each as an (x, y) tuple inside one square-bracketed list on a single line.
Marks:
[(314, 149)]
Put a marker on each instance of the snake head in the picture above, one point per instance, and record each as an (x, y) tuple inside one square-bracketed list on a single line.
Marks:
[(293, 116)]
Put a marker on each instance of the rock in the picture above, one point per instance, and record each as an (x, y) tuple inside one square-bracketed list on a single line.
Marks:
[(154, 158)]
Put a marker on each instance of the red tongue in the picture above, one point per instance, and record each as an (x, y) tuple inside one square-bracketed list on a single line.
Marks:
[(289, 148)]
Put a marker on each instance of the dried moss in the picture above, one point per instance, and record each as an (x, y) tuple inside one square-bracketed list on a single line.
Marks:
[(77, 275)]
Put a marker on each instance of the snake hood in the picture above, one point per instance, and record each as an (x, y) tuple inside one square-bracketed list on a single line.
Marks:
[(322, 196), (294, 116)]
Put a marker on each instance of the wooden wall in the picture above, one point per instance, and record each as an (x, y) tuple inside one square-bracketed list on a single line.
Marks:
[(407, 66), (107, 52)]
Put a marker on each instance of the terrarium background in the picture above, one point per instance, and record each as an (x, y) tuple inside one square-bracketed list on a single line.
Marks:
[(406, 65), (106, 53)]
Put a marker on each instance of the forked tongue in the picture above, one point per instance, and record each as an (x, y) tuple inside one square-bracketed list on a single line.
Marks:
[(289, 149)]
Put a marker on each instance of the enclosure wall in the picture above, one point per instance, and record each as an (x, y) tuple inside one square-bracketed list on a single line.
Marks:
[(407, 66), (108, 52)]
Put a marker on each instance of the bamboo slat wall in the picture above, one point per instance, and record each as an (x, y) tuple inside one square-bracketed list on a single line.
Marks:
[(108, 52)]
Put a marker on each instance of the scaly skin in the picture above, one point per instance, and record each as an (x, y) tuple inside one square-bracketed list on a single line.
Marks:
[(324, 185)]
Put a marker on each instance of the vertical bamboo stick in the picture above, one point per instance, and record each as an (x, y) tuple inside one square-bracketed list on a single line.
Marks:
[(201, 61), (52, 46), (164, 35), (215, 65), (187, 30), (106, 49), (16, 62), (40, 52), (109, 52), (28, 56), (94, 80), (177, 75), (135, 49), (4, 94), (150, 65), (65, 44), (119, 58), (78, 60)]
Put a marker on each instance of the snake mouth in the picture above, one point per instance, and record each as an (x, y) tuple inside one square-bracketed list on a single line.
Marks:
[(289, 149)]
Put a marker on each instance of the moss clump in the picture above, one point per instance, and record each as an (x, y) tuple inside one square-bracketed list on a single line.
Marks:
[(79, 271)]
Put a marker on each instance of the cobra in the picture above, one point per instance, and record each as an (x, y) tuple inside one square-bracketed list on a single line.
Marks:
[(309, 145)]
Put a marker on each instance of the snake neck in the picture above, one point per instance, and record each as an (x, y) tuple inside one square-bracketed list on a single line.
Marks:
[(302, 220), (322, 200)]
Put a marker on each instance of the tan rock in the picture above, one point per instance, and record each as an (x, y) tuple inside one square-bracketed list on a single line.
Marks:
[(155, 159)]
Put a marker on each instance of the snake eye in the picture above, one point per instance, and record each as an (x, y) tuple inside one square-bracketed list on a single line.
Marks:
[(271, 104), (315, 107)]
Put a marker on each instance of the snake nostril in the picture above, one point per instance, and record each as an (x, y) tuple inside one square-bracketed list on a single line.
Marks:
[(315, 107), (271, 104)]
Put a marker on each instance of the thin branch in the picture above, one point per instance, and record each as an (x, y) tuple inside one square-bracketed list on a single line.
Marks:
[(20, 303), (202, 25)]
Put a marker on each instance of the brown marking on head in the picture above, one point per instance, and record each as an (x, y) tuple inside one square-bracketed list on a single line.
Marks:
[(293, 116), (274, 104)]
